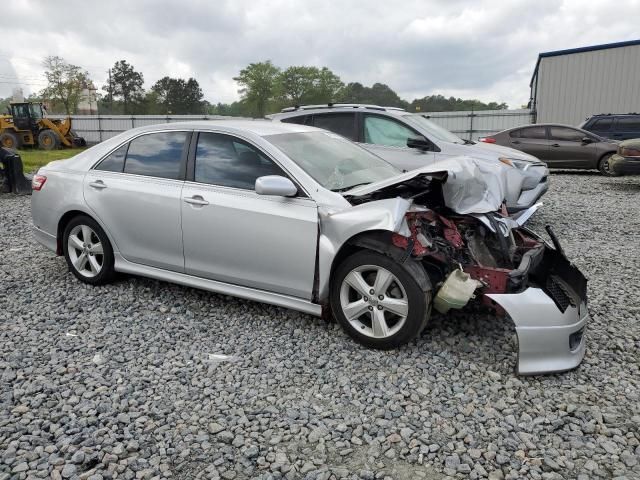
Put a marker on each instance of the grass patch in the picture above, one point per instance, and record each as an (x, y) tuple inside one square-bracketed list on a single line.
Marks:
[(33, 158)]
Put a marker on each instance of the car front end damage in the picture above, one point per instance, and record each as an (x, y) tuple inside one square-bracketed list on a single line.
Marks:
[(490, 260)]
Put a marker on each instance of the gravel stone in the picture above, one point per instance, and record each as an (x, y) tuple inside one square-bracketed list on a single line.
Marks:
[(297, 393)]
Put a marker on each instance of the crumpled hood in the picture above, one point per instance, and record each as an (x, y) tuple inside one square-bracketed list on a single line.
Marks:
[(470, 185)]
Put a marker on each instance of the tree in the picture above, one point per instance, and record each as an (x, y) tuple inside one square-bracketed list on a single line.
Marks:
[(65, 83), (178, 96), (308, 85), (378, 94), (439, 103), (258, 85), (126, 84)]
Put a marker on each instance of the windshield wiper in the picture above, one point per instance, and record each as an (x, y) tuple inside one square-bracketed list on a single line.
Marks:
[(469, 142), (344, 189)]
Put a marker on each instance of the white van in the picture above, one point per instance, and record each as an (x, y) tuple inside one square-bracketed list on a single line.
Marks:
[(410, 141)]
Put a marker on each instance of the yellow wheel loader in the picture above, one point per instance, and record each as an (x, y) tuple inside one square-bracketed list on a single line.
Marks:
[(27, 126)]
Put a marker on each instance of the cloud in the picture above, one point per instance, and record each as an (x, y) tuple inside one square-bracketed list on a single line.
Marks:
[(482, 49)]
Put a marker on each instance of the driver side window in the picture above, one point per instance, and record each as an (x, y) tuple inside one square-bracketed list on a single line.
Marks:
[(387, 132), (230, 162)]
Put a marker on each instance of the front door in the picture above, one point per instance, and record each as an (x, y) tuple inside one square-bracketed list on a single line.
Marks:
[(232, 234), (135, 193), (567, 149)]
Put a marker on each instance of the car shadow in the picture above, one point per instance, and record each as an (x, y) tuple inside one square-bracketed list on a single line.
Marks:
[(625, 187), (574, 172)]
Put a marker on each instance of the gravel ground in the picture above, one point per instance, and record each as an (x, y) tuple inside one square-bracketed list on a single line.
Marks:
[(123, 381)]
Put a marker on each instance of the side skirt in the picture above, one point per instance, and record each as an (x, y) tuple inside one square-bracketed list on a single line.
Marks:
[(125, 266)]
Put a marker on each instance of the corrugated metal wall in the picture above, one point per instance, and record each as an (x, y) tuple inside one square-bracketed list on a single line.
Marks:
[(469, 125), (473, 124), (574, 86)]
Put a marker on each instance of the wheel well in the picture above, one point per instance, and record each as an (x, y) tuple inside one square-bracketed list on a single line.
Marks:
[(380, 241), (62, 224), (608, 154)]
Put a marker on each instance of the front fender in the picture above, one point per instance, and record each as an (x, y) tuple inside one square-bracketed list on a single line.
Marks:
[(337, 227)]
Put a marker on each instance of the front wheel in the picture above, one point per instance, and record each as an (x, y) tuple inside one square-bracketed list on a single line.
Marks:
[(87, 251), (605, 167), (377, 301), (48, 140)]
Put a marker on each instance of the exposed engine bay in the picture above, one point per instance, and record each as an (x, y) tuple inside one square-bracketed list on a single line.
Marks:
[(473, 253)]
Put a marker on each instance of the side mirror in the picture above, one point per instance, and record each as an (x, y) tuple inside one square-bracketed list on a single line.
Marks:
[(275, 185), (420, 143), (587, 140)]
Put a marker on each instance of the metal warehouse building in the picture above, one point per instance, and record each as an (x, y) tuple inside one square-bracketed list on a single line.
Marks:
[(569, 85)]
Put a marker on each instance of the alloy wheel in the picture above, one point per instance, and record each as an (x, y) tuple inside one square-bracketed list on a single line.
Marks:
[(85, 251), (374, 301)]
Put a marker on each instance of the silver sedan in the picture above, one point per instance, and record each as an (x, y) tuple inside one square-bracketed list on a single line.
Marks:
[(303, 218)]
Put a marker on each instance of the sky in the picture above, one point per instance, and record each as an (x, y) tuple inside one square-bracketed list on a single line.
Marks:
[(470, 49)]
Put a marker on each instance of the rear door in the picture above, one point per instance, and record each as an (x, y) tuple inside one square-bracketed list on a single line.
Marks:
[(567, 149), (532, 140), (135, 192), (626, 127), (232, 234)]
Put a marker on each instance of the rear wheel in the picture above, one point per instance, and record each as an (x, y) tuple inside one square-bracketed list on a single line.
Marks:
[(9, 139), (377, 301), (87, 251), (48, 140), (605, 167)]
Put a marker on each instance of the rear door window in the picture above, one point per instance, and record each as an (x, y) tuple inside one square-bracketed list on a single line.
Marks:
[(341, 123), (386, 131), (534, 133), (156, 155)]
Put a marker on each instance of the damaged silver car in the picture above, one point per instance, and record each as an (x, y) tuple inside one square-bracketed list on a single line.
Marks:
[(302, 218)]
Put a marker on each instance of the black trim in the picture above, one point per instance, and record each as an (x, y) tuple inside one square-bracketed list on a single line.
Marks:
[(191, 157), (182, 175)]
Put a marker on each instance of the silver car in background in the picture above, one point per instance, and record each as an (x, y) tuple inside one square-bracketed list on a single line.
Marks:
[(410, 140), (302, 218)]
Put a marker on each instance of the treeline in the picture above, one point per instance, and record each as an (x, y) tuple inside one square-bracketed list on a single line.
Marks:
[(264, 88)]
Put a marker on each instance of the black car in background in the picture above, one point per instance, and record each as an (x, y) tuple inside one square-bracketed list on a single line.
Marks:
[(617, 126)]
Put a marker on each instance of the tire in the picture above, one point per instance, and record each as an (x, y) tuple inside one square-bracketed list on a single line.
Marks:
[(375, 322), (603, 166), (48, 140), (9, 139), (94, 268)]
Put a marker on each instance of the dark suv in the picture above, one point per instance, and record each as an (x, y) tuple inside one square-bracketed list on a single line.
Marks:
[(617, 126)]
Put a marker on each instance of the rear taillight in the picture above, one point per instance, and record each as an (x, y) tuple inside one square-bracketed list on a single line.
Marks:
[(38, 182), (487, 139)]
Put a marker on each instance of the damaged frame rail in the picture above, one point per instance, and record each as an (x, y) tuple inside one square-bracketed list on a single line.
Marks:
[(521, 277)]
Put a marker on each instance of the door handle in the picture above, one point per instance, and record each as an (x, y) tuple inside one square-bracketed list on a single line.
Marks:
[(516, 142), (99, 184), (196, 200), (555, 145)]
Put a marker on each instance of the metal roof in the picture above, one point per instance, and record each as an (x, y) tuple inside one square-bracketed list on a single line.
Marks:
[(592, 48)]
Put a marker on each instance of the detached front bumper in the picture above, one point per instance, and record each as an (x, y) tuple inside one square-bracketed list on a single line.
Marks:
[(550, 314)]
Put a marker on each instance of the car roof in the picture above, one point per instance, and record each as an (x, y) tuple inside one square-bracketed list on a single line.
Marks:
[(256, 127)]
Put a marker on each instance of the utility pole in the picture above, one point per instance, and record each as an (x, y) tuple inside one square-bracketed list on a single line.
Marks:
[(110, 94)]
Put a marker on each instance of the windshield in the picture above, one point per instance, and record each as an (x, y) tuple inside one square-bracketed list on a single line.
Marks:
[(332, 161), (434, 130)]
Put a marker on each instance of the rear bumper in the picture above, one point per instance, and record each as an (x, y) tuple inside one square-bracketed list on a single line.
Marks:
[(550, 314)]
